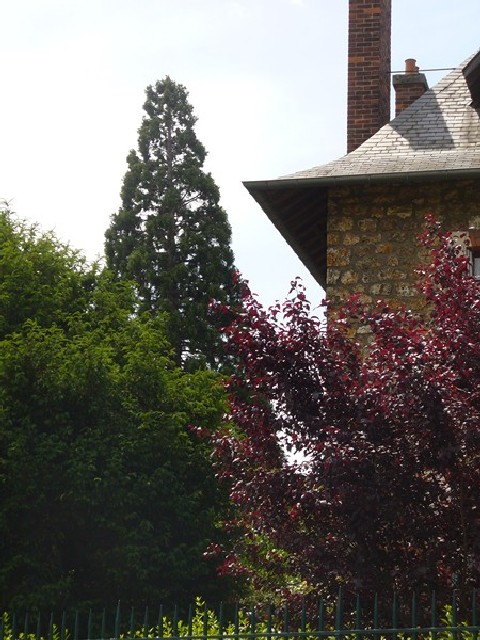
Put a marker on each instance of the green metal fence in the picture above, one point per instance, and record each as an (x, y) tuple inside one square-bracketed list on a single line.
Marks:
[(341, 619)]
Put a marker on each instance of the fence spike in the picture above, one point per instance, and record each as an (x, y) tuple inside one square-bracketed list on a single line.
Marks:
[(89, 625), (205, 620), (474, 612), (237, 621), (414, 616), (132, 622), (320, 615), (375, 612), (285, 618), (474, 607), (25, 626), (433, 616), (394, 614), (269, 622), (454, 615), (64, 625), (358, 613), (76, 626), (39, 628), (252, 622), (117, 621), (190, 618), (338, 609), (104, 622), (145, 623), (175, 621), (160, 621)]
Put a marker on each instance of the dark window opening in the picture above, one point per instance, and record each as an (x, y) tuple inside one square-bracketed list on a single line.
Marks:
[(475, 262)]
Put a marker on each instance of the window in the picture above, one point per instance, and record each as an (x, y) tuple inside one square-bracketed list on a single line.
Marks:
[(474, 250), (475, 262), (468, 243)]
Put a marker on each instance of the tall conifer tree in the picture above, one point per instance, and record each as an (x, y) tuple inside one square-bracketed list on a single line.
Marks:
[(170, 234)]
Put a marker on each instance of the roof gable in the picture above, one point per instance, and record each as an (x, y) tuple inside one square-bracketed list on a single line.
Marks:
[(472, 76)]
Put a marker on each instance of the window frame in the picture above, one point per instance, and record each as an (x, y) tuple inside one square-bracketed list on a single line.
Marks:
[(474, 252)]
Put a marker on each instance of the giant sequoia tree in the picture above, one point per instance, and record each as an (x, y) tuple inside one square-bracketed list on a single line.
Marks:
[(105, 494), (170, 235), (382, 492)]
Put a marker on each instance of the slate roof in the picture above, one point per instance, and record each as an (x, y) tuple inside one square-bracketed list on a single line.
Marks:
[(435, 138), (438, 132)]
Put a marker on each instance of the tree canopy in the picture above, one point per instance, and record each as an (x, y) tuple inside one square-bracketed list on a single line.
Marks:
[(170, 235), (105, 493), (359, 466)]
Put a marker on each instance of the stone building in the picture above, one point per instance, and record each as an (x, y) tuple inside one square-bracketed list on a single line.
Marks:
[(354, 221)]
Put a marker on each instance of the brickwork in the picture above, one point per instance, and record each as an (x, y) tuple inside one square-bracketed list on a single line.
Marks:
[(372, 231), (368, 69), (408, 88)]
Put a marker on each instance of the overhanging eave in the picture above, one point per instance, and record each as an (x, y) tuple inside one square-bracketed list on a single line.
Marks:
[(298, 207)]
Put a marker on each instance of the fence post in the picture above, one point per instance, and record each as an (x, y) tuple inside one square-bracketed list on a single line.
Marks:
[(237, 622), (252, 623), (474, 613), (454, 615), (269, 622), (395, 615), (89, 625), (433, 614), (63, 625), (414, 616), (25, 626), (117, 621), (321, 623), (145, 623), (104, 622), (160, 621), (339, 614), (190, 618), (132, 623), (205, 621), (37, 636), (358, 617), (220, 620)]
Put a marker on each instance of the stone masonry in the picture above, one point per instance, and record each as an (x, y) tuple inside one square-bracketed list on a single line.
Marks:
[(372, 231)]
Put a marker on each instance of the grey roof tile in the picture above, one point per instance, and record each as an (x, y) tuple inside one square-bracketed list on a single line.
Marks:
[(439, 131)]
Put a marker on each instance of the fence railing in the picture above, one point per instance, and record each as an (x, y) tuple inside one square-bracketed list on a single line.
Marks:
[(340, 619)]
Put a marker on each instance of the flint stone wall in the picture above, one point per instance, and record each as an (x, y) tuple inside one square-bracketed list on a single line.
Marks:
[(372, 236)]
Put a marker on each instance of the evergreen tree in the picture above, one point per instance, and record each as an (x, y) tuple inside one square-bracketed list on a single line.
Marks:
[(170, 235), (105, 492)]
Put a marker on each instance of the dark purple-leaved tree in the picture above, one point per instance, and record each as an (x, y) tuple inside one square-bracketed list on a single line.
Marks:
[(358, 466)]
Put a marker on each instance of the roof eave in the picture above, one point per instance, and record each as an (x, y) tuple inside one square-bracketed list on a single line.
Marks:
[(300, 215), (299, 211), (253, 186)]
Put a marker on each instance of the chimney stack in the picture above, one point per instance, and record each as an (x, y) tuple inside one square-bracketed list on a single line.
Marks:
[(369, 55), (408, 86)]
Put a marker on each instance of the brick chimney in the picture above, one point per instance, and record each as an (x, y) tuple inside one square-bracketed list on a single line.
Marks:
[(408, 86), (369, 55)]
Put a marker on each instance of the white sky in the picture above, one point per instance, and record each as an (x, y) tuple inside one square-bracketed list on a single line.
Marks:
[(267, 79)]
